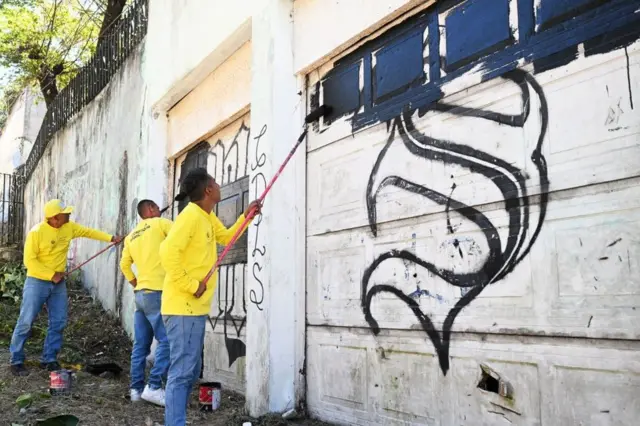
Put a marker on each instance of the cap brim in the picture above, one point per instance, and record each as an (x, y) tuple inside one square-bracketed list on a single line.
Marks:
[(67, 210)]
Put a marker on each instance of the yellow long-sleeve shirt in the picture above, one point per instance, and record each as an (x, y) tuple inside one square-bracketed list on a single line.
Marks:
[(45, 249), (142, 247), (188, 254)]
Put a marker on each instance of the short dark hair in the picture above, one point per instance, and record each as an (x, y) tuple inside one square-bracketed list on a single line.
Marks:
[(194, 184), (142, 205)]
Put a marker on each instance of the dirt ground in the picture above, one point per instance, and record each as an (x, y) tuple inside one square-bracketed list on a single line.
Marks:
[(92, 336)]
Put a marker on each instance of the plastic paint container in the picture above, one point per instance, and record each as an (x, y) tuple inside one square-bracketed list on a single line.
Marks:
[(210, 395)]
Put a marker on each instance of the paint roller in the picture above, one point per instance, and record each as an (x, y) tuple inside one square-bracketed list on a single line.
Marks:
[(314, 115)]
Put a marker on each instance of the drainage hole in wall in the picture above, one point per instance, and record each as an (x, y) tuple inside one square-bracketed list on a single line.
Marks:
[(489, 383)]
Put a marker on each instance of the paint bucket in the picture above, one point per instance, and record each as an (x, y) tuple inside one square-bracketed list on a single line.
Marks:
[(210, 394), (60, 382)]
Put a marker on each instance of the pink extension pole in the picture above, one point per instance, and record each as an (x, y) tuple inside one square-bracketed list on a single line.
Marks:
[(90, 259), (252, 212)]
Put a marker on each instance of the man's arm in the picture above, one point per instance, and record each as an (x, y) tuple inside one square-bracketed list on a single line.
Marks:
[(125, 265), (30, 257), (171, 251), (224, 235), (80, 231)]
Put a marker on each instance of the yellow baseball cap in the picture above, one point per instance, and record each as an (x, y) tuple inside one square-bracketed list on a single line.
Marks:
[(55, 207)]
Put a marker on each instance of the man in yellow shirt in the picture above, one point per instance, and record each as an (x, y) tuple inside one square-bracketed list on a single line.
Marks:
[(45, 256), (187, 254), (142, 247)]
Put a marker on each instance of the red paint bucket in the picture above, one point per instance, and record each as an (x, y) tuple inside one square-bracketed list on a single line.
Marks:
[(210, 395), (60, 382)]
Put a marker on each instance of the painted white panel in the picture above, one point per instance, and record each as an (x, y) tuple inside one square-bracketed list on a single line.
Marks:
[(580, 148), (395, 379)]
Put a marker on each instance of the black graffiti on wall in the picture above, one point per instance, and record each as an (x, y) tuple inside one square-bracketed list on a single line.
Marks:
[(231, 168), (408, 64), (259, 252), (402, 74), (509, 180), (232, 325)]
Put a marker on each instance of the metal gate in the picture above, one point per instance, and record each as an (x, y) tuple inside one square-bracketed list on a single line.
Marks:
[(11, 209)]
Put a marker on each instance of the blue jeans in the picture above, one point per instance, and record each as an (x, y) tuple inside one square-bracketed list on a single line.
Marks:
[(147, 323), (34, 295), (186, 339)]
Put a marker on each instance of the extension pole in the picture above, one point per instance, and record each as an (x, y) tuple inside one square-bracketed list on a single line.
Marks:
[(103, 250), (252, 212), (90, 259)]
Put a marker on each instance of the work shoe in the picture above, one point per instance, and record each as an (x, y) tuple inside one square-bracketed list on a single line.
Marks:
[(135, 395), (19, 370), (50, 366), (154, 396)]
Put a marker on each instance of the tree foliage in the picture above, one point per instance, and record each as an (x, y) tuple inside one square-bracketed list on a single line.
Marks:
[(44, 43)]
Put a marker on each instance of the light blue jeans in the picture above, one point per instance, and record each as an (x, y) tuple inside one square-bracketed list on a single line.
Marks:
[(147, 323), (34, 295), (186, 339)]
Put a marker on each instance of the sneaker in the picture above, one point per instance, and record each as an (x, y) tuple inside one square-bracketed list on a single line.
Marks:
[(154, 396), (135, 395), (19, 370), (50, 366)]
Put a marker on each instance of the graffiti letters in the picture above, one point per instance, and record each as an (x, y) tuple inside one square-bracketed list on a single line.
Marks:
[(504, 256), (259, 251)]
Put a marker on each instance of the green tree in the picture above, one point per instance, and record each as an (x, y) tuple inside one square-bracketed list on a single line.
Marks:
[(44, 43)]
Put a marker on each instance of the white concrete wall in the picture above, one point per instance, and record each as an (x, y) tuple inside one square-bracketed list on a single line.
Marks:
[(21, 130), (324, 29), (190, 39), (219, 98), (275, 322), (106, 159), (404, 215)]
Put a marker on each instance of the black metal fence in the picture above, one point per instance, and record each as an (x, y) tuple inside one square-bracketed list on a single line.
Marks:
[(117, 43), (11, 209)]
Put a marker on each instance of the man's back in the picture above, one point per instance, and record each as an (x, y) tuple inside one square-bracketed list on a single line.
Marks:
[(142, 248)]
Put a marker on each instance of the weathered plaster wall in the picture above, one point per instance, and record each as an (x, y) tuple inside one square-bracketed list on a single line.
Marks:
[(21, 130), (190, 39), (103, 162), (219, 98), (348, 20), (472, 201)]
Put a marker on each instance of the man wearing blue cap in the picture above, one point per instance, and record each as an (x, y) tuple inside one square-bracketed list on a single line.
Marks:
[(45, 256)]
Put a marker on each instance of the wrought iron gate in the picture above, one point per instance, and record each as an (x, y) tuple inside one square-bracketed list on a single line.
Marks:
[(11, 209)]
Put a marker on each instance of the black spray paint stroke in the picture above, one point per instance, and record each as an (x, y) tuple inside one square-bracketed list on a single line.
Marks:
[(236, 348), (626, 53), (225, 156), (508, 179), (256, 267)]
